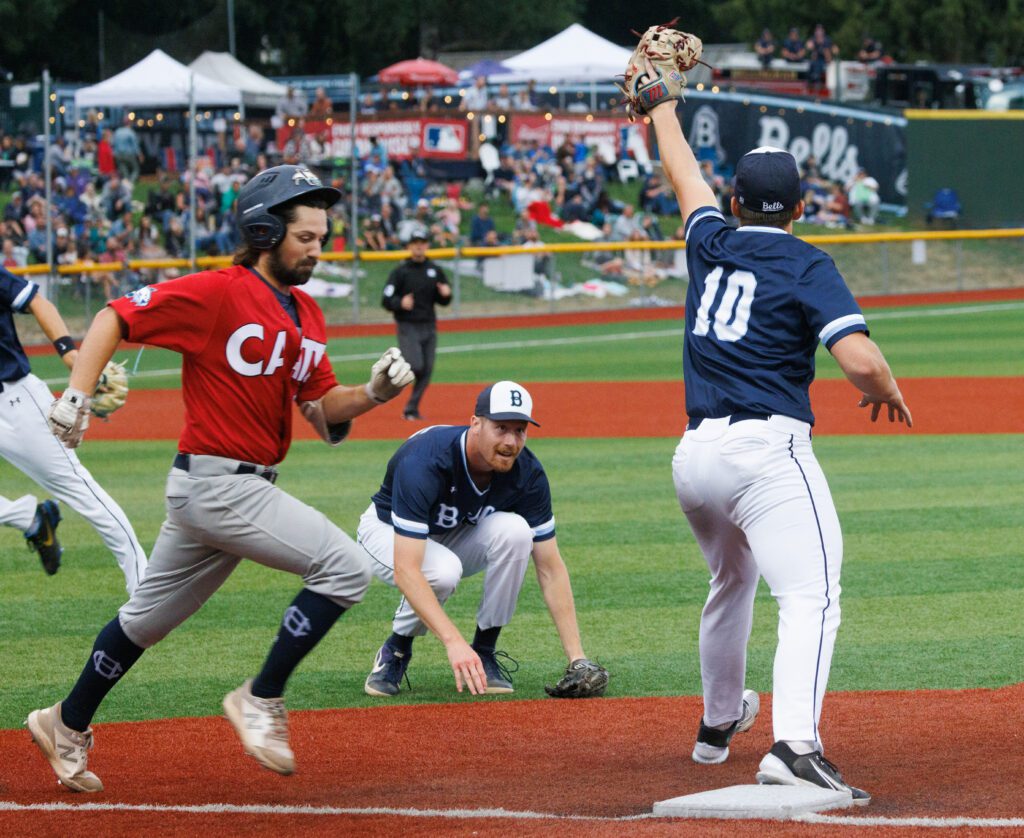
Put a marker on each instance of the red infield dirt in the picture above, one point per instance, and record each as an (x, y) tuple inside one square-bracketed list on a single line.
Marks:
[(936, 754), (633, 408)]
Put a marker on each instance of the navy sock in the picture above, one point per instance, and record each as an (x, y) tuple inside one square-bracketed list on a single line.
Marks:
[(113, 654), (401, 642), (486, 638), (307, 620)]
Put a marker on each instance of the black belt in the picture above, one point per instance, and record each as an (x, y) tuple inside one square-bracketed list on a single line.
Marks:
[(183, 461), (739, 416)]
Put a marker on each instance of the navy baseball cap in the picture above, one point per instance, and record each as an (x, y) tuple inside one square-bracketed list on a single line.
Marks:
[(767, 180), (505, 400)]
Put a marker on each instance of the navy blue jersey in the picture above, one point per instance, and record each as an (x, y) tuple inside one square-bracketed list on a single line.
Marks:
[(15, 295), (427, 489), (759, 302)]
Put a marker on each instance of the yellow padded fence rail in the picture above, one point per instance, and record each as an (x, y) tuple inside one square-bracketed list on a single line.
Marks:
[(566, 247)]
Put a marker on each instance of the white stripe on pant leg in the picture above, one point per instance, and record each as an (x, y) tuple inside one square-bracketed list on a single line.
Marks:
[(790, 519)]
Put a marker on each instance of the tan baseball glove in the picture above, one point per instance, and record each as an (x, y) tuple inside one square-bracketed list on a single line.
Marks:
[(111, 391), (656, 68)]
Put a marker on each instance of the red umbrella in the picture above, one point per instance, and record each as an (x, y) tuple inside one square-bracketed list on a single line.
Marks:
[(418, 71)]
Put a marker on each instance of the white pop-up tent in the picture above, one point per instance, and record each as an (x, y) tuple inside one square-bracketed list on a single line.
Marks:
[(157, 81), (257, 91), (574, 54)]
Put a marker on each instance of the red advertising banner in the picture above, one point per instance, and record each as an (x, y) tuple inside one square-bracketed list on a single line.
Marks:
[(596, 131), (444, 139)]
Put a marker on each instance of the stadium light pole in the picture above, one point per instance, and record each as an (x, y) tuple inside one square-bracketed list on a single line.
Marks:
[(231, 26), (193, 150)]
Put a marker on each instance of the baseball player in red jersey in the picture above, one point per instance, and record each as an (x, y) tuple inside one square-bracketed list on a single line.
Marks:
[(252, 344)]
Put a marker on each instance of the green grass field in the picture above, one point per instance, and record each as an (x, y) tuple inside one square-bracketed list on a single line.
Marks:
[(932, 579), (935, 341)]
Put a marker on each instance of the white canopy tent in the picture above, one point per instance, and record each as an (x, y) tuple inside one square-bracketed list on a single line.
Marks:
[(157, 81), (257, 91), (574, 54)]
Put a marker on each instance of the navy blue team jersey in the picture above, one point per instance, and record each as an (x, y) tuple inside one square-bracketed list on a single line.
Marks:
[(427, 489), (15, 295), (759, 302)]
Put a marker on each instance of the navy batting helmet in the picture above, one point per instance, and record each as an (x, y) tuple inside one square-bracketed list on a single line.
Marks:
[(270, 189)]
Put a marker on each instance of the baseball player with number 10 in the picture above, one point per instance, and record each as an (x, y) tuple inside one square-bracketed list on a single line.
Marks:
[(253, 344), (758, 304)]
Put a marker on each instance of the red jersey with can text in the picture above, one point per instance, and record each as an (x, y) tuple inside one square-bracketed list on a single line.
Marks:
[(244, 360)]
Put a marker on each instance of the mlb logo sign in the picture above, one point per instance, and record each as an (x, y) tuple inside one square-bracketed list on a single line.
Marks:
[(444, 139)]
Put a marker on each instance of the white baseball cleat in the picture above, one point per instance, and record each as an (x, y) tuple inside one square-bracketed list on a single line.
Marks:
[(262, 725), (712, 745), (65, 749)]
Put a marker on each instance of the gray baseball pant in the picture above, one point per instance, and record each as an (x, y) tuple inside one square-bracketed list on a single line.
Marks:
[(215, 520)]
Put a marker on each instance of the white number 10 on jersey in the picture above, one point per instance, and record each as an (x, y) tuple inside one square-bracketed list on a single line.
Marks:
[(733, 312)]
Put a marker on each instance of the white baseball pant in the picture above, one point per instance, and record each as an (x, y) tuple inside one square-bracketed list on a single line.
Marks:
[(758, 504), (500, 544), (18, 513), (27, 444)]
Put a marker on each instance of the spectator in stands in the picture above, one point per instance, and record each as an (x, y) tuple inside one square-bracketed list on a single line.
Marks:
[(837, 207), (292, 105), (475, 98), (10, 256), (105, 164), (374, 237), (160, 201), (626, 224), (870, 50), (127, 154), (108, 280), (820, 53), (656, 197), (322, 106), (765, 48), (72, 207), (367, 105), (391, 190), (521, 101), (793, 48), (503, 99), (862, 192), (481, 225)]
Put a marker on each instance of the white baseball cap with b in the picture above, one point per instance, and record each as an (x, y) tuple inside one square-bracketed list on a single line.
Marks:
[(506, 400)]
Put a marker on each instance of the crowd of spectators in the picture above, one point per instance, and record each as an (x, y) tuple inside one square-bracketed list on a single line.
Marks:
[(99, 214)]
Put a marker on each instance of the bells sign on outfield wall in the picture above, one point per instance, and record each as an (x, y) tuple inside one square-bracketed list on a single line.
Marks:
[(724, 126)]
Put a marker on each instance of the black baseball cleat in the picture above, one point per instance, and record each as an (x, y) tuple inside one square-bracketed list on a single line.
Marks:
[(385, 679), (498, 672), (712, 745), (783, 767), (43, 538)]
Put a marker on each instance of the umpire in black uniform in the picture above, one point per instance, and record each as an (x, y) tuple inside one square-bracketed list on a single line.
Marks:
[(413, 289)]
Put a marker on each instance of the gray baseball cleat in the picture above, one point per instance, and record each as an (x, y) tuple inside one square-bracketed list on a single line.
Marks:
[(712, 746), (262, 725), (782, 766), (65, 749)]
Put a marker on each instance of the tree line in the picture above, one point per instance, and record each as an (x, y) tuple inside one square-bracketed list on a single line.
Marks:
[(84, 42)]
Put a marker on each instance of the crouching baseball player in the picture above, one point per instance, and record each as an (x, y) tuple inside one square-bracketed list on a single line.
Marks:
[(253, 344), (457, 500)]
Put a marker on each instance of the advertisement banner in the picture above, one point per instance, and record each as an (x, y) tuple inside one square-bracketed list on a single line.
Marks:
[(841, 140), (439, 139), (612, 130)]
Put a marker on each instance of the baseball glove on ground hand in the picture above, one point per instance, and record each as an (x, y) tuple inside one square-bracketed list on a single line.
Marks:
[(656, 68), (111, 391), (583, 679)]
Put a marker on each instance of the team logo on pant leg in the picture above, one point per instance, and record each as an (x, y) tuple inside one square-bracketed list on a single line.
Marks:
[(106, 665), (296, 623)]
